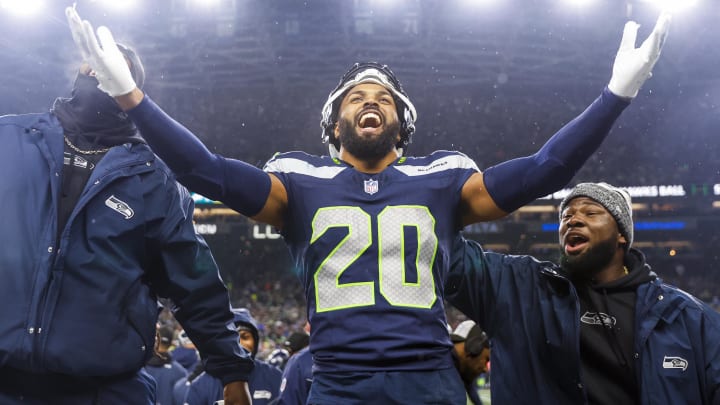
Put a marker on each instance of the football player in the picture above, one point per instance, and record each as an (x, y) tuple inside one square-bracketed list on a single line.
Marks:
[(371, 229)]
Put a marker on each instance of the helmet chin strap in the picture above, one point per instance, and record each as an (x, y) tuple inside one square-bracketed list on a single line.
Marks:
[(334, 152)]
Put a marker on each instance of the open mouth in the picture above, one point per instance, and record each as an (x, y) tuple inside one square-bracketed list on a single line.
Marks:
[(370, 120), (575, 243)]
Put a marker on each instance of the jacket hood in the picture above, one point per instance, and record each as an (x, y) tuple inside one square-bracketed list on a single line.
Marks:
[(613, 302), (242, 318), (639, 272)]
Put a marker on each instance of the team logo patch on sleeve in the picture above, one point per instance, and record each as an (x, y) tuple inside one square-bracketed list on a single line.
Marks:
[(371, 186), (675, 362), (120, 206)]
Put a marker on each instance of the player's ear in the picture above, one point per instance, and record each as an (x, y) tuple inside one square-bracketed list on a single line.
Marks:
[(336, 131)]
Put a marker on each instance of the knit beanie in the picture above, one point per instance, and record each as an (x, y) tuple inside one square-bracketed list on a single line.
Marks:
[(615, 200)]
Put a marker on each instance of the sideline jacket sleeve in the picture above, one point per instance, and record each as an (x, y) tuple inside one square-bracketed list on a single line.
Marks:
[(488, 286), (517, 182), (242, 187), (183, 269), (468, 285), (711, 329)]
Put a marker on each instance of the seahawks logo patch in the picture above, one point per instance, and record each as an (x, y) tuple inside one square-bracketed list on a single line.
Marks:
[(120, 206)]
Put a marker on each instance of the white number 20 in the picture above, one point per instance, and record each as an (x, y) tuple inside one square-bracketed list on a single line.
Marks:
[(331, 295)]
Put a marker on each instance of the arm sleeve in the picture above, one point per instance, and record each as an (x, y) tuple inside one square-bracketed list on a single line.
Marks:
[(184, 270), (240, 186), (517, 182)]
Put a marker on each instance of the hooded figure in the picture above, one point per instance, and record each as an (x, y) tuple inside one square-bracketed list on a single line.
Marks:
[(245, 322), (97, 232), (264, 382)]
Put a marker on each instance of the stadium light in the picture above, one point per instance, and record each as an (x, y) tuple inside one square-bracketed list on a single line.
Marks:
[(21, 7), (224, 7)]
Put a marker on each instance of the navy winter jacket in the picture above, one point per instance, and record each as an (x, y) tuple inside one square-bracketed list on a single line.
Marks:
[(531, 314), (86, 304)]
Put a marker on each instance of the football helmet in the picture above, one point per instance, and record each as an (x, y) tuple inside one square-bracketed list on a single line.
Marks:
[(368, 72)]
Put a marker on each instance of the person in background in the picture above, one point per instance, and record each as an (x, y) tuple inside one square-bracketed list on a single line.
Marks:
[(297, 376), (600, 327), (185, 352), (181, 387), (293, 344), (264, 381), (371, 229), (163, 368), (96, 230), (471, 353), (296, 342), (296, 379)]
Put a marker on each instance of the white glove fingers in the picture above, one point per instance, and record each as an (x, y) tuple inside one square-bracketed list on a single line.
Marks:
[(76, 29), (105, 59), (663, 23), (652, 46), (661, 30), (93, 46), (107, 42), (629, 36)]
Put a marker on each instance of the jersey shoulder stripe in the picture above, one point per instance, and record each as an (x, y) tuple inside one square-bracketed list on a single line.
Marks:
[(436, 162), (323, 167)]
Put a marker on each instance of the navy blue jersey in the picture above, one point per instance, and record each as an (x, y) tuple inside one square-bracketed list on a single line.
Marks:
[(371, 251)]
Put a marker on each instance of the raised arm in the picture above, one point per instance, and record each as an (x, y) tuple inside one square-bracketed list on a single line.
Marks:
[(508, 186), (243, 187), (181, 267)]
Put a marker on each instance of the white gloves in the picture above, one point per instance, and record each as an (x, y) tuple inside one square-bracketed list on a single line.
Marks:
[(109, 64), (634, 65)]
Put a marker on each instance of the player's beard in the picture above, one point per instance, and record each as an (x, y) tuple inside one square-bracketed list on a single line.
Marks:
[(372, 149), (587, 264)]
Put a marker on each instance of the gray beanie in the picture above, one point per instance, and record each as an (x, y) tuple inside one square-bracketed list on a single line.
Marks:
[(615, 200)]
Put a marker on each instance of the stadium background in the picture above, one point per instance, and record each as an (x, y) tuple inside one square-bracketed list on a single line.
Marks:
[(493, 79)]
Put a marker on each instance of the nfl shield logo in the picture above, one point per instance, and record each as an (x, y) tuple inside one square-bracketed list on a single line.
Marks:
[(371, 186)]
